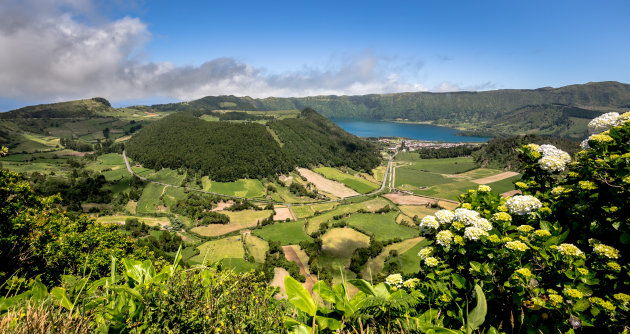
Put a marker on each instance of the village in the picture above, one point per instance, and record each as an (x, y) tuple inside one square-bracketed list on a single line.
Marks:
[(404, 144)]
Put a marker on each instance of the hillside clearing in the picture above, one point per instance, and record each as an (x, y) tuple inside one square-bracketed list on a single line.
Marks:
[(325, 185)]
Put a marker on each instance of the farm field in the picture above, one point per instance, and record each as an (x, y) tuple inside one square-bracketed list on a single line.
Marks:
[(359, 184), (369, 205), (238, 221), (303, 211), (416, 210), (325, 185), (288, 233), (248, 188), (338, 244), (505, 184), (150, 199), (216, 250), (382, 226), (376, 264), (257, 247), (410, 260), (151, 221)]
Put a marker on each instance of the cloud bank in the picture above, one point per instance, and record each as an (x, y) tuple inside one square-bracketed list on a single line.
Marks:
[(61, 49)]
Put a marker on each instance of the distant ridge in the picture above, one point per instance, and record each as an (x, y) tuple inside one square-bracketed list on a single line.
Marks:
[(69, 109), (488, 112)]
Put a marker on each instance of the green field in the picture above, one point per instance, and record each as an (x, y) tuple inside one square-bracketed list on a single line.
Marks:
[(257, 247), (303, 211), (151, 221), (361, 185), (369, 205), (410, 261), (288, 233), (407, 176), (338, 244), (441, 166), (382, 226), (216, 250), (505, 184), (241, 188), (150, 199), (416, 210), (448, 190), (376, 264)]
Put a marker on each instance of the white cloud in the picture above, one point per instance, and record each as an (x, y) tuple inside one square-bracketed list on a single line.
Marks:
[(61, 49)]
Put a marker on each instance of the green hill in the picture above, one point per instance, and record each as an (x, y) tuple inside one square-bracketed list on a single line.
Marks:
[(70, 109), (227, 151), (495, 112)]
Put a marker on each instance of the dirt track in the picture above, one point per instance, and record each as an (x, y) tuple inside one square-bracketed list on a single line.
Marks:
[(290, 254), (283, 214), (495, 178), (408, 199)]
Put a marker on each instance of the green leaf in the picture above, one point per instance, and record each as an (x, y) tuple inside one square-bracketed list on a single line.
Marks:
[(581, 305), (299, 296), (59, 295), (458, 281), (325, 322), (364, 286), (324, 291), (296, 326), (130, 291), (475, 266), (477, 316), (625, 238), (39, 290)]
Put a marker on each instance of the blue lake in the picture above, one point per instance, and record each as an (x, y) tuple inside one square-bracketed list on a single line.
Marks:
[(369, 128)]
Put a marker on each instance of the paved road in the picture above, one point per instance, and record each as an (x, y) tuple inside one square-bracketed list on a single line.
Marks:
[(387, 171)]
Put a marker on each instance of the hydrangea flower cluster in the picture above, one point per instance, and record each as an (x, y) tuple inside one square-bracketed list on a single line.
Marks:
[(553, 159), (606, 251), (411, 283), (569, 250), (574, 293), (516, 245), (525, 228), (444, 216), (474, 233), (603, 122), (429, 223), (444, 238), (526, 273), (425, 252), (394, 280), (502, 217), (431, 261), (466, 216), (523, 204), (484, 188)]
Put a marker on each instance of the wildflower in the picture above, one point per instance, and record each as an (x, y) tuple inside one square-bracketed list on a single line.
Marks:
[(444, 238), (467, 206), (521, 185), (431, 261), (516, 245), (429, 223), (574, 293), (523, 204), (474, 233), (394, 280), (459, 240), (556, 299), (444, 216), (614, 266), (569, 250), (466, 216), (425, 252), (583, 271), (542, 233), (411, 283), (502, 217), (484, 188), (607, 251), (525, 228), (526, 273), (622, 298), (600, 138), (603, 122)]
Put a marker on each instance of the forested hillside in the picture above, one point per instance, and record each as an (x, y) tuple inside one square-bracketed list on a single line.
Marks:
[(228, 151), (70, 109)]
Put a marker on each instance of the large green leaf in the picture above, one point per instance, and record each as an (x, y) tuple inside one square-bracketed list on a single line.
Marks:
[(324, 291), (59, 295), (299, 296), (325, 322), (39, 290), (363, 286), (477, 316)]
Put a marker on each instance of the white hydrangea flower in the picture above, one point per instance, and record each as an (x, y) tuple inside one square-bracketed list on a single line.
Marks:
[(584, 144), (466, 216), (429, 223), (569, 250), (482, 223), (484, 188), (394, 280), (444, 238), (474, 233), (551, 164), (444, 216), (607, 251), (522, 204), (603, 122), (431, 262), (425, 252)]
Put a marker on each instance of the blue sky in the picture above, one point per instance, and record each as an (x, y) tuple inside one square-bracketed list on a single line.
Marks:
[(158, 51)]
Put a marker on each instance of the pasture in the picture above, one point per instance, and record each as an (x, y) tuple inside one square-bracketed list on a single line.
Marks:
[(382, 226), (216, 250), (248, 188), (257, 247), (288, 233), (369, 205)]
